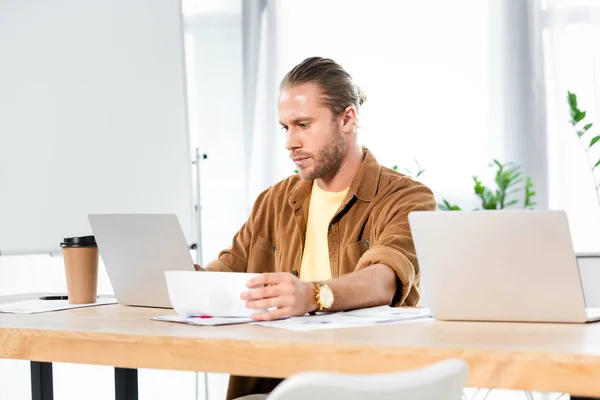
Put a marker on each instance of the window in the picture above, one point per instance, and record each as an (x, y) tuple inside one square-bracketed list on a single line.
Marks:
[(572, 63)]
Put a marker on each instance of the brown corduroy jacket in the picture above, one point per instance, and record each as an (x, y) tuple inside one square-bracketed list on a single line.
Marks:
[(370, 227)]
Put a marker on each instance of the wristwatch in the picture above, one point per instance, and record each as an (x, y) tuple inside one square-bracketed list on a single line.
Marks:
[(324, 296)]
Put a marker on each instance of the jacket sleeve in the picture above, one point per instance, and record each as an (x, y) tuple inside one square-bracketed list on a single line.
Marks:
[(392, 244), (235, 257)]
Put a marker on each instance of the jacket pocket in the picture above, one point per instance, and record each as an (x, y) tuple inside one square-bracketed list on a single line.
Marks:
[(265, 256), (354, 252)]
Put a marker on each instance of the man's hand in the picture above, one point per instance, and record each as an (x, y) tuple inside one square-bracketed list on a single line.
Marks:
[(198, 268), (281, 290)]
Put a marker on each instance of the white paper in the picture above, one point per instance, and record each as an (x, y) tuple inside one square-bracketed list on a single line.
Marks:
[(213, 321), (217, 294), (350, 319), (35, 306), (396, 313)]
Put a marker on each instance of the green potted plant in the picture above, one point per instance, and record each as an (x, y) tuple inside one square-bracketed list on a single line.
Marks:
[(409, 172), (508, 180), (582, 128)]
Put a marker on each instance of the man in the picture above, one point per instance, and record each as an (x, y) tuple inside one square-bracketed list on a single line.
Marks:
[(336, 235)]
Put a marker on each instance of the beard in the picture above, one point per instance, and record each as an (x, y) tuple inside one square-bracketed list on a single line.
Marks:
[(327, 160)]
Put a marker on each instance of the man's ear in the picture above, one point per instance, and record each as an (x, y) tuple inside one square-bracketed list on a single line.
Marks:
[(349, 119)]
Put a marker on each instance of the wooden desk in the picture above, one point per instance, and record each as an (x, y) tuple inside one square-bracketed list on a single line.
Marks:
[(537, 357)]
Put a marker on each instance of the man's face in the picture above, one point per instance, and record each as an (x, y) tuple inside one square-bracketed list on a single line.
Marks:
[(314, 137)]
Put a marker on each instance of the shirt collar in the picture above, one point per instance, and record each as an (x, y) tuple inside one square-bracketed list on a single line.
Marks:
[(363, 186)]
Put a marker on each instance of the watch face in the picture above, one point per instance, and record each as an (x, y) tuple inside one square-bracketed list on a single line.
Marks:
[(326, 296)]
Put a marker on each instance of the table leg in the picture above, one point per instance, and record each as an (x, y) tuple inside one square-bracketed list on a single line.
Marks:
[(126, 384), (41, 381)]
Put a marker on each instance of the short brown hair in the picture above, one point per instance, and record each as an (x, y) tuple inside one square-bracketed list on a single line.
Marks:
[(338, 89)]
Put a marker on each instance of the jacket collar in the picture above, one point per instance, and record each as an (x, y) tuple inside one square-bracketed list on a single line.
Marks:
[(363, 186)]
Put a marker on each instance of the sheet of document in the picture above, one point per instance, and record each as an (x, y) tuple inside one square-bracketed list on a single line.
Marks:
[(213, 321), (35, 306), (390, 313), (350, 319)]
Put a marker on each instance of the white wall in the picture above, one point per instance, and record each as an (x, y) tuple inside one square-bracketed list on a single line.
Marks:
[(92, 117)]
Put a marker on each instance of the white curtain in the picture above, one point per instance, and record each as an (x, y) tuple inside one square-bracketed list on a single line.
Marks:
[(252, 27), (517, 89), (261, 81), (572, 59)]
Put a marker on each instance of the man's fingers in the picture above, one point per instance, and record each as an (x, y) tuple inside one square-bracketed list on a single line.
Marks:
[(265, 292), (269, 278), (273, 302), (198, 268), (269, 316)]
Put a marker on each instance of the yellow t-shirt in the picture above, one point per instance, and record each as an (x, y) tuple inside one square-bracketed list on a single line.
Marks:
[(315, 258)]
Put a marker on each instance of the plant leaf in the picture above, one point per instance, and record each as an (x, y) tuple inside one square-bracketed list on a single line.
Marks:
[(510, 203), (490, 200), (446, 206), (572, 100), (597, 163), (513, 170), (510, 178), (594, 140), (579, 116), (512, 184), (529, 193), (573, 110), (580, 133), (587, 127)]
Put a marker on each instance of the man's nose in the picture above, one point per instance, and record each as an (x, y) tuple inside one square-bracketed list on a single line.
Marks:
[(291, 140)]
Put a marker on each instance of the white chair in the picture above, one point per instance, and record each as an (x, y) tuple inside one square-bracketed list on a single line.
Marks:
[(444, 380)]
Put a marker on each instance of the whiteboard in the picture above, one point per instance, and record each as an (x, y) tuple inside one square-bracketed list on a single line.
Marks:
[(93, 117)]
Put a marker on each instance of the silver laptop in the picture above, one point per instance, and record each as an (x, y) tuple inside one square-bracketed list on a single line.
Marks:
[(136, 250), (509, 265)]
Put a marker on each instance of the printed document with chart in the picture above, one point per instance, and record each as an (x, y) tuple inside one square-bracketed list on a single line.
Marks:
[(350, 319)]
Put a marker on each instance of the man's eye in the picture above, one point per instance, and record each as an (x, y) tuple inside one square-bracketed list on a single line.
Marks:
[(303, 125), (285, 128)]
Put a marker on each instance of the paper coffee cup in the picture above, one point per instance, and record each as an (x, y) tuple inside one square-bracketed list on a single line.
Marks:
[(81, 269)]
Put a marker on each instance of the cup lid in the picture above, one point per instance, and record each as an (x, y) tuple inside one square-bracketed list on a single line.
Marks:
[(81, 241)]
